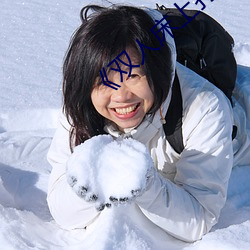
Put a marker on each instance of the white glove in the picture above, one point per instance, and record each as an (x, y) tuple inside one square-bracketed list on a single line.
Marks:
[(107, 171)]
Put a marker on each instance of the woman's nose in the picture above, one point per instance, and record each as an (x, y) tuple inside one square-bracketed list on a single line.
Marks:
[(122, 94)]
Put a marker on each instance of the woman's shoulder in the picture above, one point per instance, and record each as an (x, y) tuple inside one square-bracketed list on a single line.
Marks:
[(63, 121), (200, 98), (198, 91)]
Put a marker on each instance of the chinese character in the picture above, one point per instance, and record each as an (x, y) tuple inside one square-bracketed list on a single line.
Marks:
[(129, 64), (141, 47), (105, 80), (189, 19), (164, 27), (118, 69)]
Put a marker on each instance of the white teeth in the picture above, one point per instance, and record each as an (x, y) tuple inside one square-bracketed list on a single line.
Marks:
[(124, 111)]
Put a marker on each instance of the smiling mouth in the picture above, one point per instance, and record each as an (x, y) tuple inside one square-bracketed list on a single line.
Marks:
[(127, 110)]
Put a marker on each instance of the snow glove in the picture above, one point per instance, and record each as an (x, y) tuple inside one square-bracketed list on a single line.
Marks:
[(109, 172)]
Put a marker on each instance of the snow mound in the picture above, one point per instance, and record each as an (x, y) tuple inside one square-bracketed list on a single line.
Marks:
[(242, 54)]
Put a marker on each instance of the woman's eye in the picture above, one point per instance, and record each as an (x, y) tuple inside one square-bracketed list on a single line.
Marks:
[(134, 76), (100, 86)]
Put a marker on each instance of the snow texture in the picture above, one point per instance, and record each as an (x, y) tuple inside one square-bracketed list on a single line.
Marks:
[(34, 37), (90, 166)]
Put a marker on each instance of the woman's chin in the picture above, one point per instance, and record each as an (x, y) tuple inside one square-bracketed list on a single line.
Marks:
[(128, 121), (128, 125)]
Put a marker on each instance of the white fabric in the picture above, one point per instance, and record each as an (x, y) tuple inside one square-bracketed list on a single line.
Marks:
[(186, 195), (241, 110)]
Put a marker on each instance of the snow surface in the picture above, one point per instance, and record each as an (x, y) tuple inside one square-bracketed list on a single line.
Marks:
[(34, 37)]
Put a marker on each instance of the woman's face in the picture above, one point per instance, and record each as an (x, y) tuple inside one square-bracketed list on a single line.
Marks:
[(127, 105)]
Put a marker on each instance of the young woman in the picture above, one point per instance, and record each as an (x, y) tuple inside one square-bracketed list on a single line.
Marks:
[(189, 189)]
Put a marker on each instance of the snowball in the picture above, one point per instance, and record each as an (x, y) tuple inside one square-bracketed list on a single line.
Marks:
[(122, 167), (109, 168)]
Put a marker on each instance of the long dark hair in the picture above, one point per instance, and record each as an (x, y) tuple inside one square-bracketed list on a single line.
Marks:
[(101, 37)]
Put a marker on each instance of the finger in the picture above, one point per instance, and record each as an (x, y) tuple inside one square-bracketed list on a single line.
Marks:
[(113, 199), (108, 205), (72, 181), (92, 197), (123, 200), (82, 191), (100, 207), (136, 192)]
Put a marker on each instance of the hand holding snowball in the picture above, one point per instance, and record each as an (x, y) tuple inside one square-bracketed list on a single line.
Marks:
[(107, 171)]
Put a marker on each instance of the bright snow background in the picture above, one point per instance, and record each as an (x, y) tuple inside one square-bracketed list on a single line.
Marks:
[(34, 37)]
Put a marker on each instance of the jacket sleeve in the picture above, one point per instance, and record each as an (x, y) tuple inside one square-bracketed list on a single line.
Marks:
[(68, 210), (188, 207)]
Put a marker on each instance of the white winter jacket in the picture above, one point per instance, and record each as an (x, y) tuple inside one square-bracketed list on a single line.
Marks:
[(189, 190)]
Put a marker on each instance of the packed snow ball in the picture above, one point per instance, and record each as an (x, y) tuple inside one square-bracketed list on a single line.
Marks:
[(105, 170)]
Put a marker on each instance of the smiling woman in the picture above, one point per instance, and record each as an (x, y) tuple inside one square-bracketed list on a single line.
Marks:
[(102, 36), (181, 194), (127, 106)]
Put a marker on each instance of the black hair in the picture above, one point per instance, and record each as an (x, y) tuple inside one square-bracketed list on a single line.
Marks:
[(101, 37)]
